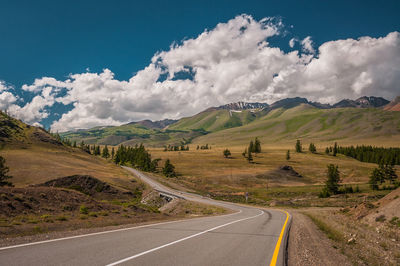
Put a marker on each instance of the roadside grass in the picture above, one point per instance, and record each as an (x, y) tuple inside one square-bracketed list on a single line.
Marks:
[(363, 243), (330, 232)]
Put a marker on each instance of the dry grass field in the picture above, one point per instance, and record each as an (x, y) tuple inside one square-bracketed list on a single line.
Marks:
[(208, 172)]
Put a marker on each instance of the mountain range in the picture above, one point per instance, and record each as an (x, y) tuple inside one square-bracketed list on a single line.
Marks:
[(290, 118)]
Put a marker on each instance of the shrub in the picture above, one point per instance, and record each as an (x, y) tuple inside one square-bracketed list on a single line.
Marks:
[(83, 209), (61, 218), (46, 218), (324, 194), (380, 218), (93, 214)]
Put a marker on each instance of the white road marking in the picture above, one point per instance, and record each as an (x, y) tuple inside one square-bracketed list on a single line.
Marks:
[(106, 232), (182, 239)]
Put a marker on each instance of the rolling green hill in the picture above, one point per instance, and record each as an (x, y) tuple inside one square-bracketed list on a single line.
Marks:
[(215, 120), (236, 123), (310, 123), (132, 134)]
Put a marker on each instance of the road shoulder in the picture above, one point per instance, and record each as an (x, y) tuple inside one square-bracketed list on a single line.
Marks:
[(309, 246)]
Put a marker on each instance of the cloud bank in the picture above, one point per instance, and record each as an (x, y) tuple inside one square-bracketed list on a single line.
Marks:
[(232, 62)]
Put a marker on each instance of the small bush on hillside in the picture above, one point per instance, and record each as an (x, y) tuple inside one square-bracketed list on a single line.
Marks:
[(227, 153), (4, 173), (83, 209), (380, 218)]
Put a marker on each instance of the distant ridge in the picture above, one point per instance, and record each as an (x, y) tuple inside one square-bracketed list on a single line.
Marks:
[(154, 124), (243, 106), (394, 105), (362, 102), (283, 119)]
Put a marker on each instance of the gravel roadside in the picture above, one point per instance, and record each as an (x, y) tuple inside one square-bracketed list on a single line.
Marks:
[(309, 246)]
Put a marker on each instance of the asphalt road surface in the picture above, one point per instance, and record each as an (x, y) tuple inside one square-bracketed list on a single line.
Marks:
[(250, 236)]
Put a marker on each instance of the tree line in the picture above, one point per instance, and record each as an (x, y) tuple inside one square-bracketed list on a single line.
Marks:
[(203, 147), (176, 148), (371, 154)]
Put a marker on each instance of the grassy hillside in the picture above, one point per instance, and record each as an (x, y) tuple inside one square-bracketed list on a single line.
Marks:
[(348, 125), (282, 125), (215, 120), (34, 156), (132, 134)]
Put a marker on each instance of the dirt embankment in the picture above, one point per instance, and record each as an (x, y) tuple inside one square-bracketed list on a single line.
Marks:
[(90, 186), (368, 233), (309, 246)]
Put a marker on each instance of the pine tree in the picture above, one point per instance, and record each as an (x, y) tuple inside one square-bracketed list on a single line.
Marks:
[(105, 153), (4, 173), (288, 155), (169, 169), (312, 148), (227, 153), (335, 149), (251, 147), (375, 178), (390, 173), (257, 146), (74, 145), (97, 150), (249, 156), (298, 146), (112, 153), (327, 150), (332, 183)]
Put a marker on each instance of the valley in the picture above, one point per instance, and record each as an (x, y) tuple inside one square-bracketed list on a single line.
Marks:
[(277, 176)]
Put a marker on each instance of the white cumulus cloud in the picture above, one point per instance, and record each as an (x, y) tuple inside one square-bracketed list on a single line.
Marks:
[(307, 45), (232, 62)]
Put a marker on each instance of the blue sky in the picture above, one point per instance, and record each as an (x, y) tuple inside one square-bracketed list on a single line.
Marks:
[(57, 38)]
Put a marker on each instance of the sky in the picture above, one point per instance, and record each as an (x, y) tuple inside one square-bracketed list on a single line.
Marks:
[(80, 64)]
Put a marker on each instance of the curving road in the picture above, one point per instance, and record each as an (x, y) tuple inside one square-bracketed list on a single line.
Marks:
[(250, 236)]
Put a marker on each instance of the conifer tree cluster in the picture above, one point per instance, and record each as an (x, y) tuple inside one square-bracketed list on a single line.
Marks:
[(176, 148), (203, 147), (169, 169), (64, 141), (370, 154), (255, 147), (84, 147), (137, 157), (312, 148), (381, 174)]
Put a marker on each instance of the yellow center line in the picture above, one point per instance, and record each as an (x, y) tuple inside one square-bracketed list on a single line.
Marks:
[(278, 244)]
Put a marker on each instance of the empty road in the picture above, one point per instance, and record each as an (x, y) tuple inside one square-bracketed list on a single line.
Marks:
[(250, 236)]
